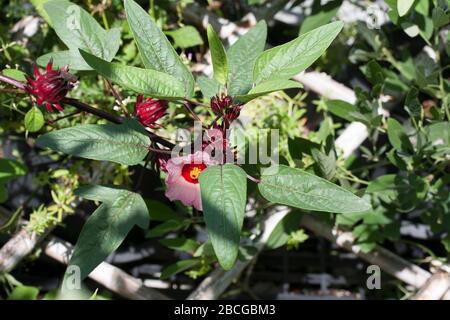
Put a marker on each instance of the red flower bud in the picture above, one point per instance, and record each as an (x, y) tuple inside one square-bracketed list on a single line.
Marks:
[(50, 87), (149, 111), (233, 113), (220, 104)]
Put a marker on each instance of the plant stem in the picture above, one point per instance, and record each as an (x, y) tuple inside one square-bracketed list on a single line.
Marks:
[(64, 117), (117, 97), (187, 104), (95, 111), (13, 82), (253, 179)]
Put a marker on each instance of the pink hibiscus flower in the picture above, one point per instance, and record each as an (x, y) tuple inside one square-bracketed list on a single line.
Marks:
[(182, 178)]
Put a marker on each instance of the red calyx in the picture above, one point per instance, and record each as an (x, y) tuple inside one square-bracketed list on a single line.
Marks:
[(50, 87), (149, 111), (220, 104)]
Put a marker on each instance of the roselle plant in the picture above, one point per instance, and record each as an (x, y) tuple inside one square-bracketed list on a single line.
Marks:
[(210, 179)]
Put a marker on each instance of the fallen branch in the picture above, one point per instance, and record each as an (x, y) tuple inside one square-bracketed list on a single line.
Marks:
[(435, 288), (109, 276), (218, 281), (385, 259), (17, 248)]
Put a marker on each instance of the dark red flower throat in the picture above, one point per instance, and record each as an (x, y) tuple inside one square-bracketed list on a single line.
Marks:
[(191, 171)]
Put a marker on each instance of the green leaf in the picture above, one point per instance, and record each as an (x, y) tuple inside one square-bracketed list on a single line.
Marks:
[(209, 87), (287, 60), (145, 81), (267, 87), (178, 267), (410, 29), (326, 163), (39, 5), (79, 30), (15, 74), (412, 103), (34, 120), (3, 198), (298, 147), (98, 193), (10, 169), (224, 193), (218, 56), (397, 136), (109, 142), (423, 19), (283, 229), (241, 58), (403, 6), (186, 37), (161, 212), (23, 293), (165, 227), (180, 244), (440, 17), (342, 109), (374, 72), (299, 189), (156, 51), (72, 58), (107, 227), (320, 15)]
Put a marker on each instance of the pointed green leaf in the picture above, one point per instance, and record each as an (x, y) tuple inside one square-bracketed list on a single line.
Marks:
[(299, 189), (98, 193), (320, 15), (178, 267), (79, 30), (403, 6), (241, 58), (145, 81), (342, 109), (218, 56), (72, 58), (106, 229), (180, 244), (10, 169), (23, 293), (209, 87), (156, 51), (281, 232), (397, 136), (267, 87), (224, 193), (109, 142), (186, 37), (287, 60)]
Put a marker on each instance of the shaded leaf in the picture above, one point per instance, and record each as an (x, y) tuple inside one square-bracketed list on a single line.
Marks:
[(224, 193), (107, 227), (109, 142)]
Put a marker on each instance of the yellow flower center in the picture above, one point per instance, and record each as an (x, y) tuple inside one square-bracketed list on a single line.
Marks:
[(195, 172)]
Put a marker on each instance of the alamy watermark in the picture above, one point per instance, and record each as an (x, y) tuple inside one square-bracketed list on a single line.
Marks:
[(234, 145), (374, 279)]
